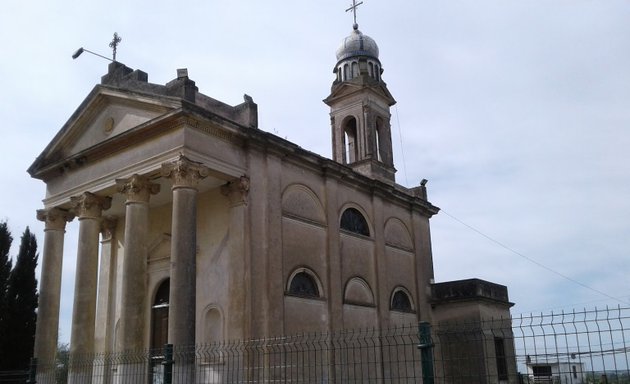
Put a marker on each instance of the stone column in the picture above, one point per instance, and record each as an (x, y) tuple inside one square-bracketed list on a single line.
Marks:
[(105, 285), (137, 190), (45, 349), (105, 301), (239, 262), (88, 208), (185, 175)]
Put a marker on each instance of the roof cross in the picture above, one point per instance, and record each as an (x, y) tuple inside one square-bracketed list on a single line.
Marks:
[(353, 8), (114, 44)]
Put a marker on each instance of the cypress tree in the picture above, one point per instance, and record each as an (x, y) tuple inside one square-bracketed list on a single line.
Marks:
[(22, 305), (5, 270)]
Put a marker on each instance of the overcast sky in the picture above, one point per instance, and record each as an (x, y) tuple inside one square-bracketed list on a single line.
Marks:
[(517, 112)]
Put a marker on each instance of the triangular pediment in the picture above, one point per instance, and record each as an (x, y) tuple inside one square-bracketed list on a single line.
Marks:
[(349, 89), (105, 114)]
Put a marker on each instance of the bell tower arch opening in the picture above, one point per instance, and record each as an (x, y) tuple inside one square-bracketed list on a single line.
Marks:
[(350, 142)]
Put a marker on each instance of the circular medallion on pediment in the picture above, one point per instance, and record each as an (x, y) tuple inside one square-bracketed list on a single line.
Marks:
[(108, 125)]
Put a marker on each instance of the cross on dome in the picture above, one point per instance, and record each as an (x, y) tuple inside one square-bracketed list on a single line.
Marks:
[(353, 8)]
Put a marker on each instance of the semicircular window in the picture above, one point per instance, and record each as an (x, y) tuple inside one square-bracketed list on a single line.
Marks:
[(304, 285), (401, 302), (352, 220)]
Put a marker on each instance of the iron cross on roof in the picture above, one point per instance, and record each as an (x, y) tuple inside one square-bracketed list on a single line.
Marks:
[(353, 8), (114, 44)]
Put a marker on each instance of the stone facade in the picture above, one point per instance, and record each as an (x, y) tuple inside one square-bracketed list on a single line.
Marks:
[(212, 229)]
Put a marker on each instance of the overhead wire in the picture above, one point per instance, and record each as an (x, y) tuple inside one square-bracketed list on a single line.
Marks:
[(402, 148), (539, 264)]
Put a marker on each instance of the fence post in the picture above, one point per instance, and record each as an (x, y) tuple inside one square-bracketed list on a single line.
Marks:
[(32, 371), (168, 363), (426, 352)]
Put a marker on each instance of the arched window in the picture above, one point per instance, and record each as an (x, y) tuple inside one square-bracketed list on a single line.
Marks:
[(351, 150), (345, 72), (159, 315), (401, 301), (352, 220), (303, 284), (371, 69), (355, 69)]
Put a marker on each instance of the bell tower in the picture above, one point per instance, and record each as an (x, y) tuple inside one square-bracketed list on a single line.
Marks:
[(359, 109)]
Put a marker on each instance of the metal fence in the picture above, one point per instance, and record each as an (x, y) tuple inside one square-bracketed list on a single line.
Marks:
[(577, 347), (588, 346), (13, 377)]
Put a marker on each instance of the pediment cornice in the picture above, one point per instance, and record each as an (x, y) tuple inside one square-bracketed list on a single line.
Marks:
[(82, 125), (348, 89)]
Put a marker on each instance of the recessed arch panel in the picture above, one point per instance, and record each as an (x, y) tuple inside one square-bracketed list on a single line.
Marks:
[(300, 201), (213, 327), (397, 234), (358, 292)]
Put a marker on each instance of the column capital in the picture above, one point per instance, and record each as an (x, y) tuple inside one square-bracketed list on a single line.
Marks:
[(184, 172), (137, 188), (89, 206), (108, 226), (54, 218), (237, 191)]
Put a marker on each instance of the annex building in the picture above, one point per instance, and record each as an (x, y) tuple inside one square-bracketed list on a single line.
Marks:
[(197, 226)]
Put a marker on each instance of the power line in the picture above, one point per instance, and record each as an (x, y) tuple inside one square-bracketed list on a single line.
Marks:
[(532, 260), (402, 149)]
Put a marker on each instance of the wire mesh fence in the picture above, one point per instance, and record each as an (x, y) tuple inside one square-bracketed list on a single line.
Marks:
[(577, 347), (13, 377), (588, 346)]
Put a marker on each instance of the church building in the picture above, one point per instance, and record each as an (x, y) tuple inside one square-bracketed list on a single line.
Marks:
[(196, 226)]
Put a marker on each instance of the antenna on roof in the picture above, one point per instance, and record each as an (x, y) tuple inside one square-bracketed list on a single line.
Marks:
[(114, 44), (353, 8)]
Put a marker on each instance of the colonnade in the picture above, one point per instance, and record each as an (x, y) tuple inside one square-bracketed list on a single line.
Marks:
[(184, 175)]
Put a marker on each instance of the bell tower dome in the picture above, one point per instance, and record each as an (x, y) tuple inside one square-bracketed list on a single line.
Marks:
[(360, 109)]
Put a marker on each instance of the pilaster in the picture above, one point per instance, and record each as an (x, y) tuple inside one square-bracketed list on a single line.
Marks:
[(424, 263), (381, 291), (239, 262)]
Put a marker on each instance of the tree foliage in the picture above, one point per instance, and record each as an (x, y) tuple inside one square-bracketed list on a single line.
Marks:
[(5, 270), (18, 322), (62, 360)]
